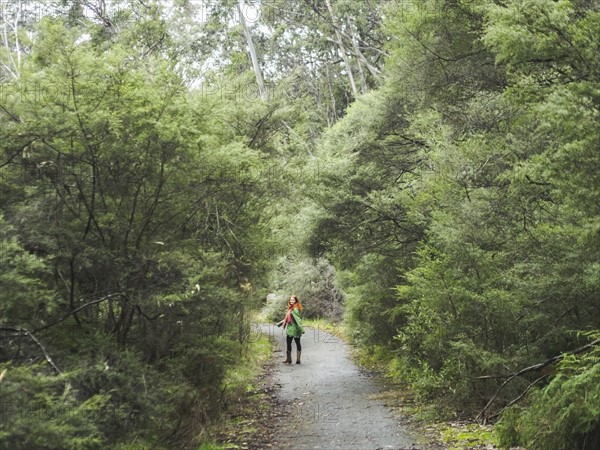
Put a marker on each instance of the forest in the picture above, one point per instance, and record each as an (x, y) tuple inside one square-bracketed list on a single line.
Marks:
[(426, 173)]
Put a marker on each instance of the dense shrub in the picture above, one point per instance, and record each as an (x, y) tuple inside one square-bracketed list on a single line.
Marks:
[(564, 415)]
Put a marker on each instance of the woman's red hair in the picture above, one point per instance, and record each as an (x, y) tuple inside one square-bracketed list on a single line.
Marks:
[(297, 304)]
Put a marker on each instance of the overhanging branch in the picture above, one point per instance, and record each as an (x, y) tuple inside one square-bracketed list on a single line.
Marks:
[(76, 310)]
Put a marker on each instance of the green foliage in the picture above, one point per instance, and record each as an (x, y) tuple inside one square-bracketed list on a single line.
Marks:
[(132, 235), (467, 436), (450, 192), (24, 281), (467, 185), (563, 415), (45, 412), (315, 284), (212, 447), (367, 298)]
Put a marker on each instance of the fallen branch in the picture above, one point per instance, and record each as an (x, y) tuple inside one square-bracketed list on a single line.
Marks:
[(512, 402), (22, 331), (30, 334), (531, 369)]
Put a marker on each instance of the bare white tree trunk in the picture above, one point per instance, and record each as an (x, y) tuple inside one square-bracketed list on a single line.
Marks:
[(363, 78), (344, 56), (11, 67), (253, 57)]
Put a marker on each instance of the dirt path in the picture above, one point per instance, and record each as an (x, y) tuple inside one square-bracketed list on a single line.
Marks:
[(328, 401)]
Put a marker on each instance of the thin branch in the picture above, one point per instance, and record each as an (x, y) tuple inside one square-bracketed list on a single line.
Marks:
[(76, 310), (22, 331), (301, 141), (534, 368), (142, 313), (28, 333), (537, 380)]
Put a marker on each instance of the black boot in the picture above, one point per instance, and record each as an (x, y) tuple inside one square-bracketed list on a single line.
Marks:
[(298, 357)]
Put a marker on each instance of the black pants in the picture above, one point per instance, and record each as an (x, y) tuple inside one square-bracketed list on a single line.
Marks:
[(289, 343)]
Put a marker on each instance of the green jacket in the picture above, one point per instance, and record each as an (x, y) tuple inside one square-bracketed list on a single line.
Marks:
[(295, 328)]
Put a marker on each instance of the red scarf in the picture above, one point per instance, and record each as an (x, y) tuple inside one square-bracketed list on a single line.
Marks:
[(288, 317)]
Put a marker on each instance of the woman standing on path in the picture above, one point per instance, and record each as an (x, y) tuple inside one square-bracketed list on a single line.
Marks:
[(293, 327)]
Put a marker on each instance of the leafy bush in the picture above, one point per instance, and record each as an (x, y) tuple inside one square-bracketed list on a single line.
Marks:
[(117, 260), (564, 415), (45, 412)]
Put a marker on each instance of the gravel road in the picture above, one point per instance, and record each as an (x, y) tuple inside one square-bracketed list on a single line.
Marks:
[(328, 402)]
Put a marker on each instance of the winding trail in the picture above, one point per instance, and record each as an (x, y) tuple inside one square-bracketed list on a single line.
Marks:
[(329, 403)]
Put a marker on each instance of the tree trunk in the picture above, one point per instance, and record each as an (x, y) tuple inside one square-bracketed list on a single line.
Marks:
[(253, 57), (342, 49), (13, 67)]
